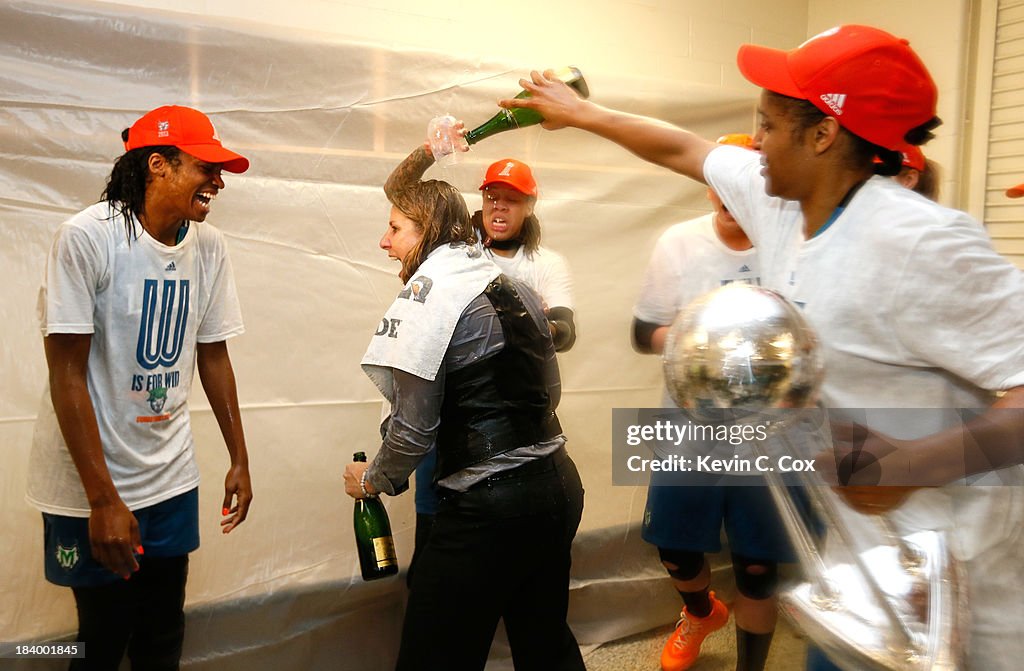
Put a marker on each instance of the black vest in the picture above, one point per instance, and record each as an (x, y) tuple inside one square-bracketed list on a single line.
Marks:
[(500, 403)]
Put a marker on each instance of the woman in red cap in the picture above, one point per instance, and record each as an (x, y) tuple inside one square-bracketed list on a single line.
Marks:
[(917, 173), (913, 306), (510, 232), (138, 292)]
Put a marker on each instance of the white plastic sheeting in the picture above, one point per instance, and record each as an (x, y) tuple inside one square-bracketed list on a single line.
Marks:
[(323, 121)]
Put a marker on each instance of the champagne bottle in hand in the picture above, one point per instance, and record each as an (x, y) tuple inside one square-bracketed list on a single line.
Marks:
[(377, 558), (508, 119)]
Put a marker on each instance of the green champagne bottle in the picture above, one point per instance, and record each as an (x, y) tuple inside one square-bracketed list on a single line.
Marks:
[(377, 558), (519, 117)]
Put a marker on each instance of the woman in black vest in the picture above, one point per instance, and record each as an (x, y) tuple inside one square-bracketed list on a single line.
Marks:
[(465, 357)]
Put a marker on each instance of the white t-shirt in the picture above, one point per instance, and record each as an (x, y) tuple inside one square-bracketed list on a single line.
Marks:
[(146, 306), (688, 261), (544, 271), (914, 310), (913, 306)]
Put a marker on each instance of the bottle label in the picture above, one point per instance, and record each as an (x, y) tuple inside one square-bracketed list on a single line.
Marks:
[(384, 551)]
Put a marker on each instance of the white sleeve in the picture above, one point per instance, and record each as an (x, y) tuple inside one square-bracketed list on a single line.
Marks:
[(960, 305), (223, 316), (734, 174), (555, 280), (659, 299), (76, 270)]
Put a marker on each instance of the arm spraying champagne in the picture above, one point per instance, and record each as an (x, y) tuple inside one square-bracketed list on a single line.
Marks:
[(444, 140)]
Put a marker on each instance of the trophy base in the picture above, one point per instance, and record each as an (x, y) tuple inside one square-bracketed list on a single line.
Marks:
[(920, 581)]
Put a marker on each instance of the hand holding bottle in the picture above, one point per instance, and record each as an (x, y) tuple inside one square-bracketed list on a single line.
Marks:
[(353, 476), (374, 543), (521, 115), (556, 101)]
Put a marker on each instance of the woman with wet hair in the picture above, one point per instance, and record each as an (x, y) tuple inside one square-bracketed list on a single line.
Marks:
[(467, 363)]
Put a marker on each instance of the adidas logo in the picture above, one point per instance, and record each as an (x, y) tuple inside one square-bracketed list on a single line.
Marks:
[(744, 268), (835, 101), (170, 267)]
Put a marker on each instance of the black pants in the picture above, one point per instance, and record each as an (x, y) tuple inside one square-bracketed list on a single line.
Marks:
[(144, 615), (500, 550), (424, 525)]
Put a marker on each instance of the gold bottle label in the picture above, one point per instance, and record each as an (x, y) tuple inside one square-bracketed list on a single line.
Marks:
[(384, 551)]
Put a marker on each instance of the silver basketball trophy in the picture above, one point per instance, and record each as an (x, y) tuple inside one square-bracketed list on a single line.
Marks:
[(869, 597)]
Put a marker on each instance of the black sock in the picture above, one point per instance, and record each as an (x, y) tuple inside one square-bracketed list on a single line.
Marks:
[(698, 604), (752, 650)]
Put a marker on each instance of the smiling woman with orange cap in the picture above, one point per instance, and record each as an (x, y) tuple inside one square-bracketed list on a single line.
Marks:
[(913, 306), (138, 292)]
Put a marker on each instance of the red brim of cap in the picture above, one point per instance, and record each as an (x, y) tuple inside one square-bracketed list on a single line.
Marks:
[(509, 185), (1015, 191), (212, 153), (768, 68)]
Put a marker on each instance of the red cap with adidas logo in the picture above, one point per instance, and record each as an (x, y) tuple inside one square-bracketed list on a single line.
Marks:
[(187, 129), (871, 82)]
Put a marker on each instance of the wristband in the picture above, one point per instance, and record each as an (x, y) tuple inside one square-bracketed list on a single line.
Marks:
[(362, 486)]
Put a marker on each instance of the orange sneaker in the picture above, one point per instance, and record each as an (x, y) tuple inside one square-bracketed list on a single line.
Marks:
[(683, 646)]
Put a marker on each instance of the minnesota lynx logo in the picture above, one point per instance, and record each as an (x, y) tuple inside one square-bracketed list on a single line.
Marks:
[(157, 398), (162, 327), (67, 557)]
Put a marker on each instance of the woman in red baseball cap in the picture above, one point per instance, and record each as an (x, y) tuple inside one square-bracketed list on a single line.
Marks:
[(138, 294), (917, 173), (914, 307), (510, 233)]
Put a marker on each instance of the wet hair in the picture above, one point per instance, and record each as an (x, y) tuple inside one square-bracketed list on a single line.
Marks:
[(861, 152), (529, 234), (126, 186), (440, 214)]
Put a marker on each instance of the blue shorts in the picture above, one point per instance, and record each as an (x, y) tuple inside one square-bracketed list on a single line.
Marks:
[(818, 661), (690, 518), (167, 529)]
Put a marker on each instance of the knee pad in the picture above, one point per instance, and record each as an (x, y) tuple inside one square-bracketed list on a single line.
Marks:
[(755, 579), (688, 564)]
